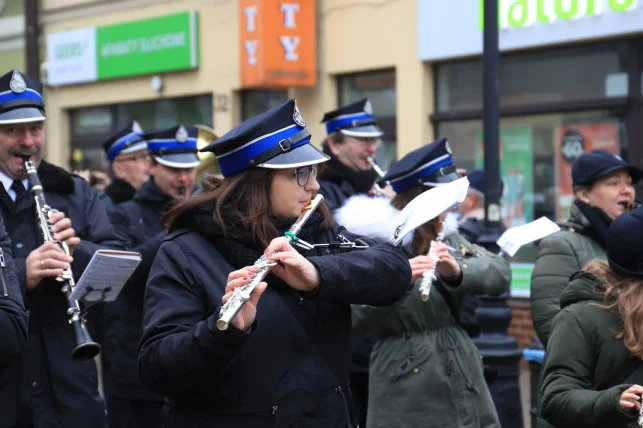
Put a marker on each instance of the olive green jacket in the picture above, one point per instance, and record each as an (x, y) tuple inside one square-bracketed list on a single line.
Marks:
[(559, 256), (584, 361), (426, 371)]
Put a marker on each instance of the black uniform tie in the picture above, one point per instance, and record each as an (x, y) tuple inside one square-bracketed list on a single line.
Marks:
[(17, 187)]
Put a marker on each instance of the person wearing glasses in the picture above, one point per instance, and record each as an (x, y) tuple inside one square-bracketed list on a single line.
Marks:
[(172, 164), (353, 138), (127, 154), (283, 360)]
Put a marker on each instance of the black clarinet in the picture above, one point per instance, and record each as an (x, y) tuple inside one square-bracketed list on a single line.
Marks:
[(85, 348)]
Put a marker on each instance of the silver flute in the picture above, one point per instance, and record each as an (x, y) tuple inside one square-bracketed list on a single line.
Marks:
[(241, 294), (85, 348), (378, 189), (429, 276)]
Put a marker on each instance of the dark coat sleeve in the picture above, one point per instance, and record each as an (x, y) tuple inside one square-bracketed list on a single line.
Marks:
[(98, 233), (13, 317), (376, 276), (180, 337), (568, 398), (555, 263)]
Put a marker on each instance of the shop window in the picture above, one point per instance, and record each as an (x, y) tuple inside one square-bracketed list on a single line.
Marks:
[(569, 74), (379, 88), (91, 126), (536, 157), (11, 8), (256, 101)]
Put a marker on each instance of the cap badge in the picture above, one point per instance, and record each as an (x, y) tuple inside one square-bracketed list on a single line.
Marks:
[(17, 83), (368, 108), (448, 148), (298, 118), (182, 135), (137, 128)]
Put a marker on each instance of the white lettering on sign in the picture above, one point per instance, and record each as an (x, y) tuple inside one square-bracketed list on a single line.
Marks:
[(250, 12), (290, 45), (251, 50), (158, 42), (289, 10)]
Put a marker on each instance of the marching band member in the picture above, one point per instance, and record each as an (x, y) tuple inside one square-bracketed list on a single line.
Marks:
[(46, 386), (283, 361), (172, 166), (426, 371), (593, 370), (353, 138), (127, 154)]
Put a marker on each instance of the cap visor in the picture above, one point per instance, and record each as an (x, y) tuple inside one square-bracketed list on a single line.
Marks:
[(141, 145), (635, 172), (443, 179), (364, 131), (179, 160), (299, 156), (22, 115)]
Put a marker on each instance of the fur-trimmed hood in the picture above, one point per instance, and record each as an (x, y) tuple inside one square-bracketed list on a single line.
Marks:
[(373, 217)]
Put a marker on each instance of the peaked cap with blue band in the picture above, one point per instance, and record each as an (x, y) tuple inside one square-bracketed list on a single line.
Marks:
[(175, 147), (20, 99), (430, 165), (277, 138), (127, 140), (355, 120)]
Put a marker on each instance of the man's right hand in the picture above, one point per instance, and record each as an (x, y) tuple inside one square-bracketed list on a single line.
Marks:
[(46, 261)]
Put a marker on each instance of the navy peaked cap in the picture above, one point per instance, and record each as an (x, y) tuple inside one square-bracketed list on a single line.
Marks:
[(624, 248), (593, 165), (20, 99), (175, 147), (355, 120), (430, 165), (127, 140), (277, 138)]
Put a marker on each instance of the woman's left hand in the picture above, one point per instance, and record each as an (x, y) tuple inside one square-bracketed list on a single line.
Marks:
[(448, 268), (296, 271)]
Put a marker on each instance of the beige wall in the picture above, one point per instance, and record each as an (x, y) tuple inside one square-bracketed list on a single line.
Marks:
[(352, 37)]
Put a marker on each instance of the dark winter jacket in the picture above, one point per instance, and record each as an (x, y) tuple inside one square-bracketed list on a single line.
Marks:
[(61, 392), (291, 369), (117, 192), (586, 369), (13, 316), (559, 256), (138, 221)]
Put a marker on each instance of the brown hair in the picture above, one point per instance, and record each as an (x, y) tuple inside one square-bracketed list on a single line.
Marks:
[(424, 234), (244, 196), (625, 295)]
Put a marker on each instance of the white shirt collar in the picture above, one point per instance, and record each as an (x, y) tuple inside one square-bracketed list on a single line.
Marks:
[(7, 182)]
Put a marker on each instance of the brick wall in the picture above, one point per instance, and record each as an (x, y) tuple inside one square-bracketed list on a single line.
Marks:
[(521, 327)]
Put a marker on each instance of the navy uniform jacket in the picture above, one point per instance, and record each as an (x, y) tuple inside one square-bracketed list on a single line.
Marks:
[(291, 369), (61, 392), (138, 221)]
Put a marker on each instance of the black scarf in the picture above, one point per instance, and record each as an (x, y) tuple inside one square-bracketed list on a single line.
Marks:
[(599, 222), (239, 247), (336, 171), (120, 191)]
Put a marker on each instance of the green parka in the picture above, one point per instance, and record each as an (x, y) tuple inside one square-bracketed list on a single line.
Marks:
[(426, 372), (559, 256), (583, 360)]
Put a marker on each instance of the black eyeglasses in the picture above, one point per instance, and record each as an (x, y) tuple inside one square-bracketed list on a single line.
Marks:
[(303, 174)]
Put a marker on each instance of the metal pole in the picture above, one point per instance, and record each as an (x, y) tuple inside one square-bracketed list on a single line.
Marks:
[(501, 355), (32, 36)]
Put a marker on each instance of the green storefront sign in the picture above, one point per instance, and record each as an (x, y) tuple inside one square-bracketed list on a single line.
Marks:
[(154, 45), (166, 43), (521, 279)]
